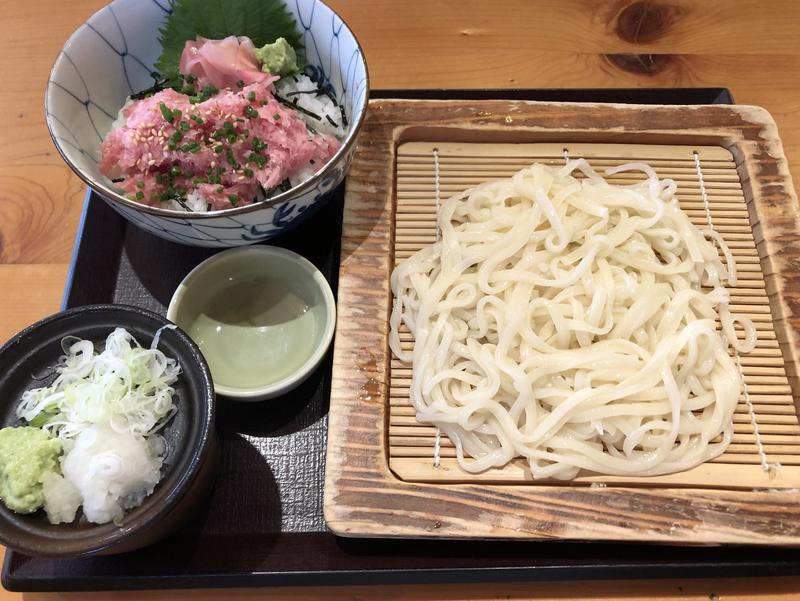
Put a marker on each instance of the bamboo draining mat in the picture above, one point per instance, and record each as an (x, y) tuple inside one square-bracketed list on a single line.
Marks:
[(412, 445), (365, 494)]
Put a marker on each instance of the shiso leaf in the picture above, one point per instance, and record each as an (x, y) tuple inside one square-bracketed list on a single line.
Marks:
[(263, 21)]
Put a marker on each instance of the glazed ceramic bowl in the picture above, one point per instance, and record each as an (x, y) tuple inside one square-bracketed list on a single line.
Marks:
[(263, 316), (27, 360), (111, 56)]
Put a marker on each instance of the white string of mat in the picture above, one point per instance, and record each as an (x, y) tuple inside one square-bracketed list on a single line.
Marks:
[(437, 445), (765, 465)]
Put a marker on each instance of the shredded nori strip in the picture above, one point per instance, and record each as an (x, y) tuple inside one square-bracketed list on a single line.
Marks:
[(315, 91), (294, 105), (318, 91), (182, 202), (328, 91), (158, 85)]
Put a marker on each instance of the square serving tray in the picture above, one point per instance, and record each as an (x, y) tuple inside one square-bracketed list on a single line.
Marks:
[(389, 475), (263, 524)]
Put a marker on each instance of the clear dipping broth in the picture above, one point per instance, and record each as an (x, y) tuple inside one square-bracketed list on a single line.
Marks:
[(254, 329)]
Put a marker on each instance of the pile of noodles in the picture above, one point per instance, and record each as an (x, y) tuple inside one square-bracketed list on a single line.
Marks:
[(573, 323)]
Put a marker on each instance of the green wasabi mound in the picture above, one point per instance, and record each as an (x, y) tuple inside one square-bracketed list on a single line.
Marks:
[(278, 58), (27, 455)]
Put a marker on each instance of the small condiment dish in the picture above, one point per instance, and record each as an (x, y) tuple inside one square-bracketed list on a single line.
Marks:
[(263, 316), (27, 361)]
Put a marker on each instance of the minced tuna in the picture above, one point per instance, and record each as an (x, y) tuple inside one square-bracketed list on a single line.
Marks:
[(224, 145)]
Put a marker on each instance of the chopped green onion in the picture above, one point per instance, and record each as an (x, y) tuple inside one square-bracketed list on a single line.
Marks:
[(257, 159), (166, 112), (192, 147), (231, 158), (234, 198), (184, 126), (140, 184), (250, 112), (251, 96), (206, 93)]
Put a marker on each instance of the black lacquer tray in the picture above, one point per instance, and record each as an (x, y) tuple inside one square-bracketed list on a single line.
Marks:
[(263, 524)]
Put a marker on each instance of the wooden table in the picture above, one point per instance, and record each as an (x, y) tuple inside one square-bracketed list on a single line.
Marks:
[(753, 48)]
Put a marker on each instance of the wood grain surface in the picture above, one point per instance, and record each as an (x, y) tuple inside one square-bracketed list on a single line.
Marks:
[(752, 48)]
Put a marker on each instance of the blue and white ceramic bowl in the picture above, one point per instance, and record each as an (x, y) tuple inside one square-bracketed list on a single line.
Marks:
[(112, 55)]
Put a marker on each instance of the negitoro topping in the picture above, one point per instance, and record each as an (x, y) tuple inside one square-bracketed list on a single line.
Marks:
[(174, 141)]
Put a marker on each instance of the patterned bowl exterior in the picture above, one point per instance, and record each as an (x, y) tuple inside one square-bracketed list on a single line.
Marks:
[(111, 56)]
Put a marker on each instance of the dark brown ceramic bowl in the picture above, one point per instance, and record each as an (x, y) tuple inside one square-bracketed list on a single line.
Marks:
[(27, 360)]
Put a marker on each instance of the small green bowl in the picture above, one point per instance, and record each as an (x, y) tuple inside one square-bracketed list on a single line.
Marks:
[(263, 317)]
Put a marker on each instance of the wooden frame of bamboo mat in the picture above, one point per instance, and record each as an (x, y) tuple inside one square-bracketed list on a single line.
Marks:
[(370, 490)]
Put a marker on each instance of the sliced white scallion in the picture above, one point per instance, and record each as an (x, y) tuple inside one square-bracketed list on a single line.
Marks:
[(125, 387)]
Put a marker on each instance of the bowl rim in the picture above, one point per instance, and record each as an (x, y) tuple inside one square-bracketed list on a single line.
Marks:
[(86, 545), (113, 196), (311, 274)]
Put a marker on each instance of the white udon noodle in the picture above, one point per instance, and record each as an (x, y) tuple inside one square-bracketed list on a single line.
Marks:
[(572, 322)]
